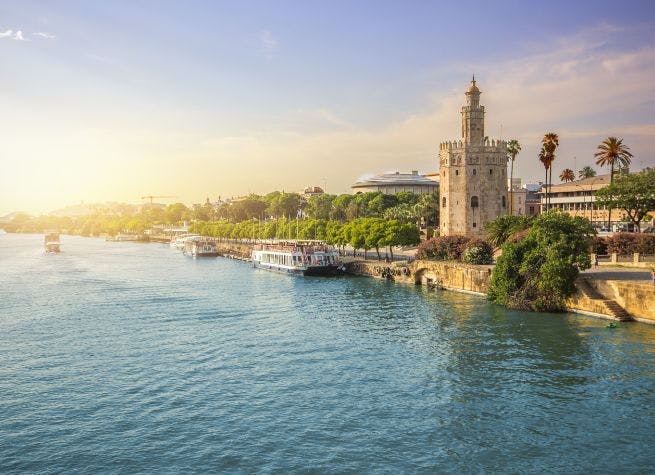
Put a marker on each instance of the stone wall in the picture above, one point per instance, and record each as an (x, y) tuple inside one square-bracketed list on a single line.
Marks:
[(637, 298), (442, 274)]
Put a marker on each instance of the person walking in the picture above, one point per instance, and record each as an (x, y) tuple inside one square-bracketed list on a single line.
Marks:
[(652, 276), (596, 260)]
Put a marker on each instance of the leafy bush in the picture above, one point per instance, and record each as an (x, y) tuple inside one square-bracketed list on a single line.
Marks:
[(442, 248), (623, 244), (646, 244), (478, 252), (598, 245), (537, 272)]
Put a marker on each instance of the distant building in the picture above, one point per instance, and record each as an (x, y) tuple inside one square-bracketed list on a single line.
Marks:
[(578, 199), (312, 191), (532, 203), (473, 174), (390, 183)]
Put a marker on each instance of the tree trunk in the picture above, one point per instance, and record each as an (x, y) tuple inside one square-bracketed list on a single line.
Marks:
[(377, 251), (546, 194), (609, 208), (511, 188), (391, 252), (550, 183)]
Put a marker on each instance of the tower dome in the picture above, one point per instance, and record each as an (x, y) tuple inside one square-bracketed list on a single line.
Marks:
[(473, 87)]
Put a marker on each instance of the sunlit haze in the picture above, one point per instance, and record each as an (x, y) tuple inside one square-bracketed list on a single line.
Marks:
[(114, 100)]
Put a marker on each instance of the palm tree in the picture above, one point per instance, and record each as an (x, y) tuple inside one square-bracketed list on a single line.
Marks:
[(543, 159), (611, 151), (587, 172), (513, 149), (567, 175), (550, 143)]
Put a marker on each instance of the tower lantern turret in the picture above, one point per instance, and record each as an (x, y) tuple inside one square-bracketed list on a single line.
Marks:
[(473, 116)]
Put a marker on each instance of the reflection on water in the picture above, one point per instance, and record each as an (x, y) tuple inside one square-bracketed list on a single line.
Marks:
[(132, 357)]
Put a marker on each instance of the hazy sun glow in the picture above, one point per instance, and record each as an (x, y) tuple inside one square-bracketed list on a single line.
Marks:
[(110, 101)]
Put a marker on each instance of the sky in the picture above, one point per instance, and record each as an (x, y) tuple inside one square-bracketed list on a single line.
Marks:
[(111, 101)]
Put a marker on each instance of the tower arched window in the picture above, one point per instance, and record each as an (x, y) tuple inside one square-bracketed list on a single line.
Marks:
[(504, 201), (474, 202), (456, 172), (443, 202), (491, 172), (475, 171)]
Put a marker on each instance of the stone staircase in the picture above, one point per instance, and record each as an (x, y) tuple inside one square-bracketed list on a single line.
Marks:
[(611, 308)]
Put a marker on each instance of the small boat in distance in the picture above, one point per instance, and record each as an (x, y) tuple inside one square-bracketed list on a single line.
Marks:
[(51, 242), (200, 247), (311, 258)]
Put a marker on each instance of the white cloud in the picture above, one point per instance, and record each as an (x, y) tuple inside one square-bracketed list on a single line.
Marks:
[(19, 36), (268, 44), (44, 34), (6, 34)]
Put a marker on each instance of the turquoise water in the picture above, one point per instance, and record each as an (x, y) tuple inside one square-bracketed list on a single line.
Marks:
[(126, 357)]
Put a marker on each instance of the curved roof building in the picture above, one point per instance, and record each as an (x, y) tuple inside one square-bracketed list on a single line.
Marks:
[(390, 183)]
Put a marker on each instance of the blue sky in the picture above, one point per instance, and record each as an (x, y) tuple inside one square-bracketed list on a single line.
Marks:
[(114, 100)]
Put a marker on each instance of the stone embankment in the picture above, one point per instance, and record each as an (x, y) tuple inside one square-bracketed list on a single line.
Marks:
[(613, 299), (438, 274)]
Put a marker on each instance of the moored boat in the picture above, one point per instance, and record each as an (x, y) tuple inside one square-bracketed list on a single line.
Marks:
[(51, 242), (179, 241), (309, 258), (200, 247)]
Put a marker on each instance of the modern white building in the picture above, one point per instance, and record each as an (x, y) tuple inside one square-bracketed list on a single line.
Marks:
[(391, 183)]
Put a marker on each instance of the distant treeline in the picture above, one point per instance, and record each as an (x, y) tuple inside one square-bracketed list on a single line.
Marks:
[(360, 233), (403, 208)]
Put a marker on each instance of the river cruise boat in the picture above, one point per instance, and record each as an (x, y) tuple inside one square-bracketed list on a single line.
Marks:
[(200, 247), (297, 257), (178, 241), (51, 242)]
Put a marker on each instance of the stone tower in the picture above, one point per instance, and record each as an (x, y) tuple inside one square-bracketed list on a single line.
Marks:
[(473, 181)]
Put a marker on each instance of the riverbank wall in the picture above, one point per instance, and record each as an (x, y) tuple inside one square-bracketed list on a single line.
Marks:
[(611, 299), (438, 274)]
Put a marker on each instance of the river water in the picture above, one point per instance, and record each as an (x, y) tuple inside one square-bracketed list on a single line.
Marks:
[(127, 357)]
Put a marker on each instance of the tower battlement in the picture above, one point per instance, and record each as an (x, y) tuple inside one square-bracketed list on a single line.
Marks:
[(459, 144)]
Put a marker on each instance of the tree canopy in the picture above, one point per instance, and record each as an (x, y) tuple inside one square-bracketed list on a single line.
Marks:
[(634, 193), (538, 272)]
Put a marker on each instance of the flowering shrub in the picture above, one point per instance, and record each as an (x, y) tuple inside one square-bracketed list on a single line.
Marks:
[(478, 252), (442, 248), (598, 245)]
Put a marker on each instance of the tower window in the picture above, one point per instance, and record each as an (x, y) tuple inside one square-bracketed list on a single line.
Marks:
[(474, 202), (491, 172), (474, 224), (504, 201), (456, 172), (474, 171), (443, 202)]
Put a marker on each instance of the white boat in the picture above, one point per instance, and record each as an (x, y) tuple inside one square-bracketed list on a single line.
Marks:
[(179, 241), (297, 257), (51, 242), (198, 246)]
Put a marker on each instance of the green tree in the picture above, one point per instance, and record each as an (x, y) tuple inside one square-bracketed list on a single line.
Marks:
[(513, 149), (634, 193), (538, 272), (501, 228), (612, 151), (320, 206), (587, 172)]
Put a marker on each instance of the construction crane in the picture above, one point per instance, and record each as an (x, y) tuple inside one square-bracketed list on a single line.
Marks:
[(150, 197)]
